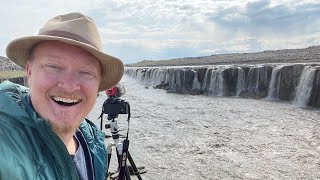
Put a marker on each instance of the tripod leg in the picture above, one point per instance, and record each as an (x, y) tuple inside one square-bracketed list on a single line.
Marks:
[(135, 169), (127, 173)]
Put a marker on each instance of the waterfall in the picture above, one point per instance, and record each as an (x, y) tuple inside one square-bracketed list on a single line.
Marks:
[(303, 90), (212, 82), (216, 82), (289, 82), (273, 90), (253, 80), (196, 85), (241, 81), (141, 74), (204, 85)]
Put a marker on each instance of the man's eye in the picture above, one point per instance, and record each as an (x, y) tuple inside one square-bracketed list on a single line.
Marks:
[(52, 67), (87, 74)]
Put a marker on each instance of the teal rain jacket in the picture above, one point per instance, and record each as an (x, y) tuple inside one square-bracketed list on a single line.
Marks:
[(29, 149)]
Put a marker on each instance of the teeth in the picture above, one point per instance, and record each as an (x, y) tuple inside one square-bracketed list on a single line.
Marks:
[(65, 100)]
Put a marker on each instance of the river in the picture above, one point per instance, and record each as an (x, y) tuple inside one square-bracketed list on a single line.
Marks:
[(204, 137)]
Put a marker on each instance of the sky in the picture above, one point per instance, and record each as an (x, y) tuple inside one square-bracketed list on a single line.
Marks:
[(136, 30)]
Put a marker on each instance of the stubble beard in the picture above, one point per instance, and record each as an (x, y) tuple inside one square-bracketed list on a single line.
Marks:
[(62, 127)]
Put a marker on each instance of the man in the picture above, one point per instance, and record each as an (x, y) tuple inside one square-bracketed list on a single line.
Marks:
[(43, 130)]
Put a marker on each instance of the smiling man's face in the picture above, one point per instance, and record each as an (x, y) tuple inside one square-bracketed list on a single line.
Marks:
[(63, 81)]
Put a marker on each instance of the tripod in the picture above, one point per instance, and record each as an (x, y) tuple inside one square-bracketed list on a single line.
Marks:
[(113, 106), (121, 150)]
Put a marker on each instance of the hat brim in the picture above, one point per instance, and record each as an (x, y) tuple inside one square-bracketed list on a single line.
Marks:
[(112, 68)]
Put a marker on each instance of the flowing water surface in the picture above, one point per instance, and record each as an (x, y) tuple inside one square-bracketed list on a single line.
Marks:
[(204, 137)]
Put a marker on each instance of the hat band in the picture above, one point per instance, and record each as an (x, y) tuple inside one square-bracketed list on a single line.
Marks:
[(68, 35)]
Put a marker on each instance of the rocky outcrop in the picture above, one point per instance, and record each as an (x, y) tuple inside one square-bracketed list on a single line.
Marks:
[(298, 83), (7, 65)]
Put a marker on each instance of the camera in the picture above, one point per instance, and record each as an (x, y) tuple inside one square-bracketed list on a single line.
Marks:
[(114, 106)]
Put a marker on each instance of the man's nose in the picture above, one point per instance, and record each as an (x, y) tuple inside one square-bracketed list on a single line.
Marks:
[(69, 81)]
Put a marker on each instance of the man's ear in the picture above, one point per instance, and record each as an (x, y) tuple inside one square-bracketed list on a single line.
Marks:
[(28, 71)]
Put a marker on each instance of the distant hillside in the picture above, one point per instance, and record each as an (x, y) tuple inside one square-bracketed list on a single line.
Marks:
[(7, 65), (310, 54)]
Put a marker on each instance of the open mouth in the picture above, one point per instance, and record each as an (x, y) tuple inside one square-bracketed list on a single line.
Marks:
[(65, 101)]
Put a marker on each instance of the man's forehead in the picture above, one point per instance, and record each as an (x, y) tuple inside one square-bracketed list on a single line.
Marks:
[(49, 48)]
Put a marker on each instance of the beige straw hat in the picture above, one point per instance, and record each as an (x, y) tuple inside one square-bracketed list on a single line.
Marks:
[(75, 29)]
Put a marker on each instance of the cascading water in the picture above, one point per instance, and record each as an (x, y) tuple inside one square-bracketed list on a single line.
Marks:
[(216, 82), (241, 86), (196, 85), (253, 80), (273, 90), (303, 91)]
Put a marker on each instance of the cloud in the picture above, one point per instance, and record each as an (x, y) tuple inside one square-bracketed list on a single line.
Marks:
[(24, 18), (265, 18), (152, 29)]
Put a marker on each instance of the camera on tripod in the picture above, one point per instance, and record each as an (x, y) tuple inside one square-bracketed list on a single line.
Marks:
[(113, 106)]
